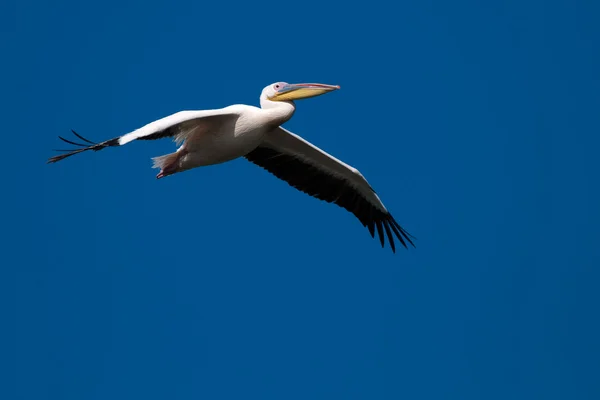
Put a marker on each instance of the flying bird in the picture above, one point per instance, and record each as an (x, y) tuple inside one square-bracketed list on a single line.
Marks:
[(207, 137)]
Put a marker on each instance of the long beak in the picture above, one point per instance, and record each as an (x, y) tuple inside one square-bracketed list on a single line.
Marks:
[(297, 91)]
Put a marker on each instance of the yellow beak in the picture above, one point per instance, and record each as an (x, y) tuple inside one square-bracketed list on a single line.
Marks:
[(297, 91)]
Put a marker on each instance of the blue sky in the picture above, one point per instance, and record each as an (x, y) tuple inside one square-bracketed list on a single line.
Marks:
[(476, 122)]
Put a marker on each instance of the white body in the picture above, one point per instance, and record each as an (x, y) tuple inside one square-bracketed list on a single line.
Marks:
[(238, 136), (215, 136), (240, 132)]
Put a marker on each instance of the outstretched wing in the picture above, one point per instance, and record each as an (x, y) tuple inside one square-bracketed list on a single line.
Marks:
[(177, 126), (313, 171)]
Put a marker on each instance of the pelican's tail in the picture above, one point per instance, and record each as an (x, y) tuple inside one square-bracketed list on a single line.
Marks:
[(165, 161), (168, 164)]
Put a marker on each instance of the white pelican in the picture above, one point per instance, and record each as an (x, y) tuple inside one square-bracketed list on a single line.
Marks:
[(214, 136)]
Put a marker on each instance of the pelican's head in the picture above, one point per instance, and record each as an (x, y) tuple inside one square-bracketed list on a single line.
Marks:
[(283, 91)]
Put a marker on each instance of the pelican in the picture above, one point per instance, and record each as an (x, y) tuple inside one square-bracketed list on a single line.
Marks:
[(207, 137)]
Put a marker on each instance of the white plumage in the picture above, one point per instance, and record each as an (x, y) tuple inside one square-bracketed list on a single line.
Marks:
[(215, 136)]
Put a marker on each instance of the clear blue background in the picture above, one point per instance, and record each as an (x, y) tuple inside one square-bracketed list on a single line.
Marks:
[(476, 121)]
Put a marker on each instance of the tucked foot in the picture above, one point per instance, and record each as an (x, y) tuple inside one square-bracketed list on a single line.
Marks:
[(168, 170)]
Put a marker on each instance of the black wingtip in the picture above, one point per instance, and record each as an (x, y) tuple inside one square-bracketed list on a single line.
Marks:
[(71, 142), (404, 233), (83, 147), (63, 156), (69, 153), (386, 225), (380, 232), (82, 138)]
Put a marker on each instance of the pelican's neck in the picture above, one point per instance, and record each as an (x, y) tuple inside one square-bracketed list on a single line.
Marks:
[(277, 112)]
